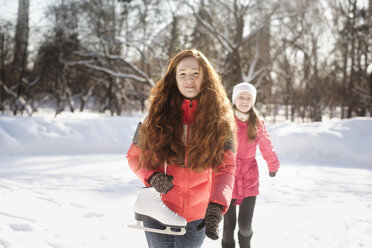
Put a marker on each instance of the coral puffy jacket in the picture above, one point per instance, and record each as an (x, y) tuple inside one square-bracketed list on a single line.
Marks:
[(192, 191), (246, 174)]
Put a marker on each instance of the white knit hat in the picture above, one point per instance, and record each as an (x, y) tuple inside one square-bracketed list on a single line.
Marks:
[(244, 87)]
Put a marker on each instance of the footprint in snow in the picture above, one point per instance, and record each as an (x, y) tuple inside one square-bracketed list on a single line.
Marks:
[(77, 205), (49, 199), (17, 217), (4, 244), (92, 215), (21, 227)]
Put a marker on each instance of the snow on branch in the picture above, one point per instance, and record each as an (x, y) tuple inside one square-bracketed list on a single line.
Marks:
[(361, 92), (135, 68), (118, 57), (20, 99), (9, 91), (79, 62), (33, 83), (255, 60), (87, 63), (116, 74), (252, 74), (248, 78)]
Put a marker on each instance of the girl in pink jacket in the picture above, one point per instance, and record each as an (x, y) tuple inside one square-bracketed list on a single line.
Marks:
[(251, 132)]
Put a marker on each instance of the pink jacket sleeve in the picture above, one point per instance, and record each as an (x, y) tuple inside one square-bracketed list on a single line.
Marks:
[(267, 149), (223, 181), (133, 162), (133, 155)]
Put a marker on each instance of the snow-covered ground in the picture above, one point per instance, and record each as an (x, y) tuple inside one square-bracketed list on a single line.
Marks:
[(65, 183)]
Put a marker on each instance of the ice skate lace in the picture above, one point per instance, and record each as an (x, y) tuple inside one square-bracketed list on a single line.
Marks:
[(165, 206)]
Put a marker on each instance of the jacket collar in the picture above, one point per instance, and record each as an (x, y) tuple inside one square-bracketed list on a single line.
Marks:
[(189, 108), (240, 115)]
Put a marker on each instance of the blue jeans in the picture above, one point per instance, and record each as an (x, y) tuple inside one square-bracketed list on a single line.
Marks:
[(192, 238)]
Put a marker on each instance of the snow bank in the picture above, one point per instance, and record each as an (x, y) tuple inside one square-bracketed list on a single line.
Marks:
[(342, 142), (346, 142), (72, 134)]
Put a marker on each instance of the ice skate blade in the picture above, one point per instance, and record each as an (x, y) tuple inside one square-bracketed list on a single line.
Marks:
[(168, 229), (142, 217)]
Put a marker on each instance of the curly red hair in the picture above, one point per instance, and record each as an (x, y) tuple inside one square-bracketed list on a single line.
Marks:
[(162, 131)]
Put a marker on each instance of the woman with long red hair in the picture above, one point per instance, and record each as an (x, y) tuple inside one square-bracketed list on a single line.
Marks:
[(190, 128)]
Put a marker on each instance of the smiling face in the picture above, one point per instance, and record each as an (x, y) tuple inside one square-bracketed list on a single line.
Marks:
[(244, 101), (189, 77)]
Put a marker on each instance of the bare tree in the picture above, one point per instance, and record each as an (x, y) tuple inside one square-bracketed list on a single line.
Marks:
[(3, 79), (352, 22), (110, 53), (297, 39), (56, 80), (241, 34), (226, 22), (20, 49)]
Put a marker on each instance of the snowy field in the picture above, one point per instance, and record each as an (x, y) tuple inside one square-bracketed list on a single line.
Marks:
[(65, 183)]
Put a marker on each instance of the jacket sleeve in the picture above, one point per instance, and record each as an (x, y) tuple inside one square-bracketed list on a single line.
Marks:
[(267, 149), (223, 180), (133, 159)]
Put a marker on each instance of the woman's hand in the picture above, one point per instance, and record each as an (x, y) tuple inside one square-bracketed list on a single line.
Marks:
[(213, 217), (273, 174), (161, 182)]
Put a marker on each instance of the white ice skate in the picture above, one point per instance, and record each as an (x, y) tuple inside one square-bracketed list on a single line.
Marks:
[(150, 205)]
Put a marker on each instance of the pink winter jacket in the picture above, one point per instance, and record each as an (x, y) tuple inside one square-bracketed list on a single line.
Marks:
[(246, 174)]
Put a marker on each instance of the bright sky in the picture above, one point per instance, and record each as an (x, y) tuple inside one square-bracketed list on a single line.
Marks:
[(8, 10), (38, 26)]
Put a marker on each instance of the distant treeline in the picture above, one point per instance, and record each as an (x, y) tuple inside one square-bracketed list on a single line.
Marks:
[(305, 56)]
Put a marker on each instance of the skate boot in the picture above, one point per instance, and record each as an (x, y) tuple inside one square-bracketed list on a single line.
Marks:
[(150, 205), (227, 245), (245, 242)]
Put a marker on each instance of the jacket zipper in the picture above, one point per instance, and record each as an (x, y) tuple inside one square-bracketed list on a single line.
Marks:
[(186, 150), (187, 132)]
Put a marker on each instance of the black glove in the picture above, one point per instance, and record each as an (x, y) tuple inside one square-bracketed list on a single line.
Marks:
[(161, 182), (273, 174), (213, 217)]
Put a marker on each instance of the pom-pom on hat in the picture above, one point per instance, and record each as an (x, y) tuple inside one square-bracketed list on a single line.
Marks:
[(244, 87)]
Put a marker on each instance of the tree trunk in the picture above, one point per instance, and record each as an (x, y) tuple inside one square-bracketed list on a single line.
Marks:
[(234, 74), (370, 92), (352, 71), (20, 47), (2, 91), (21, 34)]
